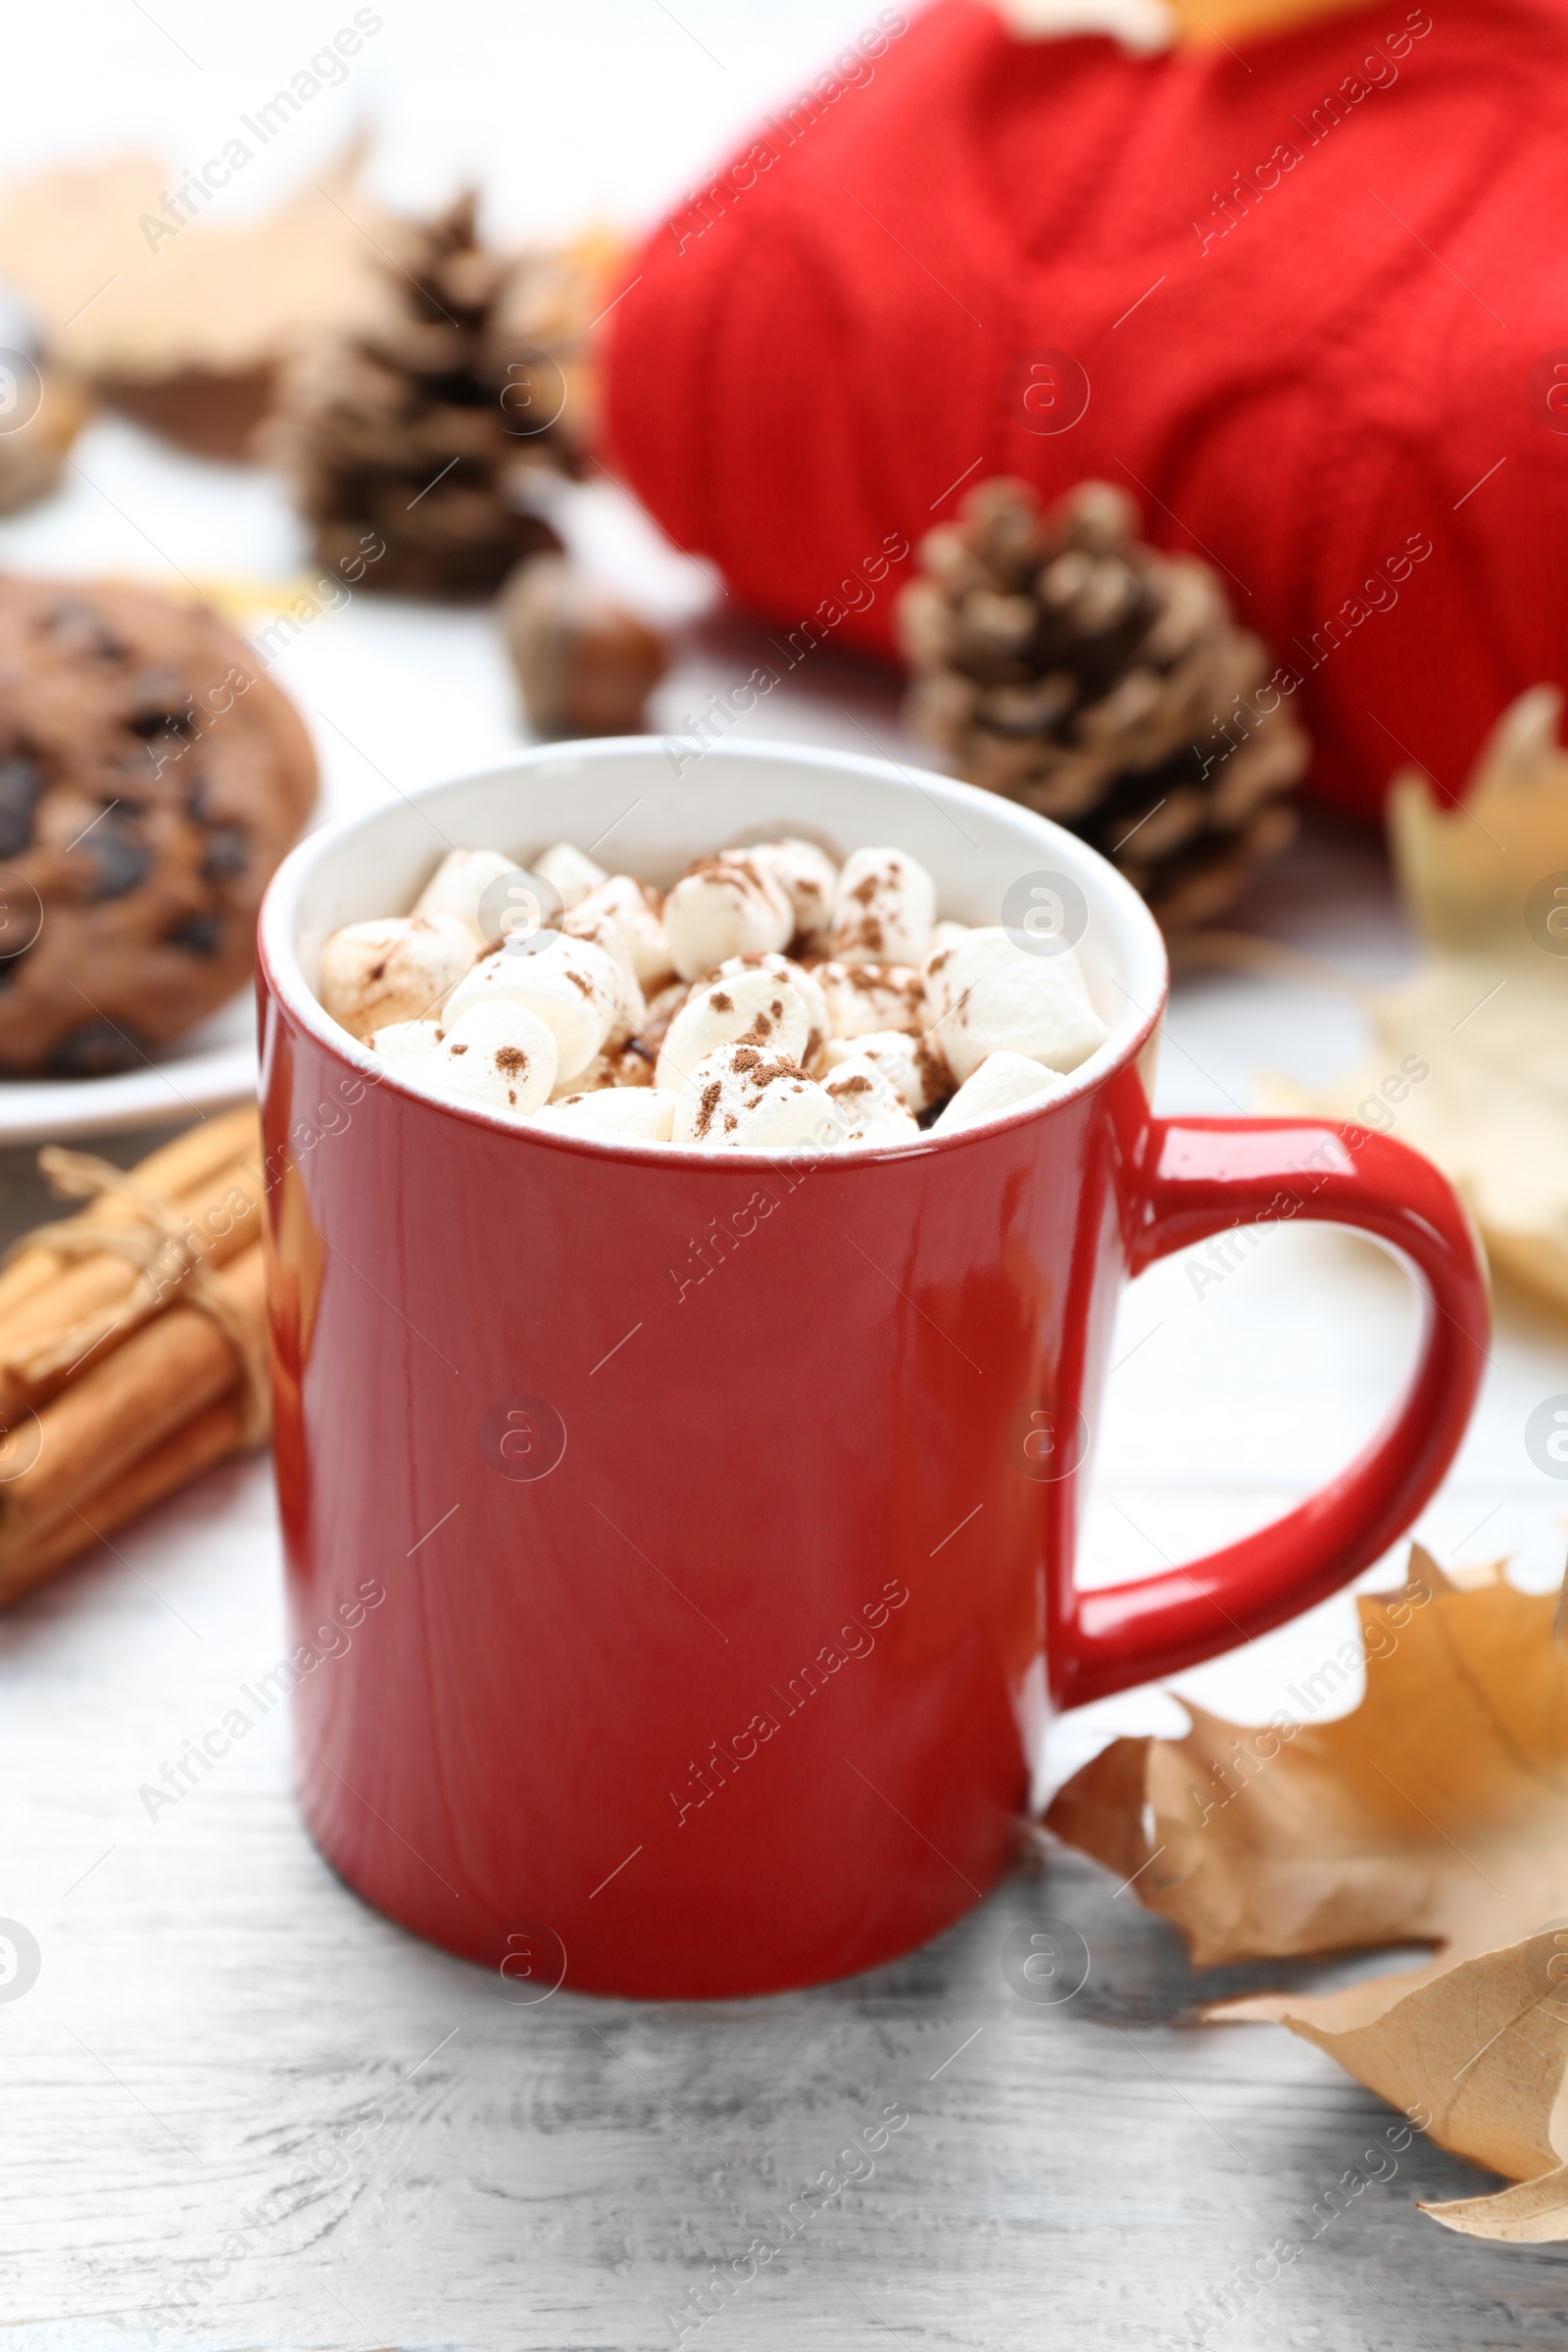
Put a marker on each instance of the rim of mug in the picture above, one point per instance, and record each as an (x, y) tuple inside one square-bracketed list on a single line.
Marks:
[(279, 965)]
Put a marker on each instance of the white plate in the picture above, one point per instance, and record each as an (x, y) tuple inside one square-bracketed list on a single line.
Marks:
[(214, 1067)]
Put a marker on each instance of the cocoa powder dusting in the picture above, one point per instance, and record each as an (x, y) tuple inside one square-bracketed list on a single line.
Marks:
[(739, 871), (934, 1074), (707, 1105)]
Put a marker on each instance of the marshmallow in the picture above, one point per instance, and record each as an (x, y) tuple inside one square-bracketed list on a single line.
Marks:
[(806, 986), (743, 1100), (883, 909), (458, 883), (912, 1066), (572, 984), (725, 906), (1001, 1081), (584, 1029), (571, 874), (608, 932), (619, 1114), (747, 1005), (396, 968), (635, 907), (864, 997), (989, 995), (877, 1132), (496, 1057), (404, 1044), (870, 1109), (630, 1064), (662, 1010), (808, 877)]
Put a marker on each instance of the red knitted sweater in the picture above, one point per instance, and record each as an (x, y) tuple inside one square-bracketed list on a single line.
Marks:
[(1317, 296)]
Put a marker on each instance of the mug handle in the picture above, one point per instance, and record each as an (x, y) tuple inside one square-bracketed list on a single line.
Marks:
[(1200, 1177)]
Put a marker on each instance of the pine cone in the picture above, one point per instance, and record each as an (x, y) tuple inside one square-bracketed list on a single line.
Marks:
[(1060, 663), (427, 428)]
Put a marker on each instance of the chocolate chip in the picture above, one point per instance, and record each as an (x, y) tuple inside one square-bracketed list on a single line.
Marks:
[(198, 934), (21, 787), (118, 859), (160, 706), (227, 853), (150, 725), (97, 1050)]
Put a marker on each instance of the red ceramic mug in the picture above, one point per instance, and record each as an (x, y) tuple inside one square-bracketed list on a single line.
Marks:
[(680, 1548)]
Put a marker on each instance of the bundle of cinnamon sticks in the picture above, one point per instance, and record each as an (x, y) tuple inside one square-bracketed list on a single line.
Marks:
[(131, 1343)]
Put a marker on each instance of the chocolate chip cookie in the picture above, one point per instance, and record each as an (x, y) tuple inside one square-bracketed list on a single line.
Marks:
[(151, 778)]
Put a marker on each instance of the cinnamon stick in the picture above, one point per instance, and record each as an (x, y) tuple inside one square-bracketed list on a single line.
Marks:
[(175, 1168), (104, 1298), (193, 1448), (131, 1403)]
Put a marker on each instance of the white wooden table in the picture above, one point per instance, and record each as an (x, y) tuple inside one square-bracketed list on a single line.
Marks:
[(239, 2109)]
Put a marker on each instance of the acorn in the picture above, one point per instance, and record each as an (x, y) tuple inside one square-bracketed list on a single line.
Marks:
[(587, 666)]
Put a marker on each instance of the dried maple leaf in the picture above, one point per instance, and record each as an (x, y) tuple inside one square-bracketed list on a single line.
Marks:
[(1470, 871), (182, 319), (1470, 1056), (1481, 2050), (1435, 1813)]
